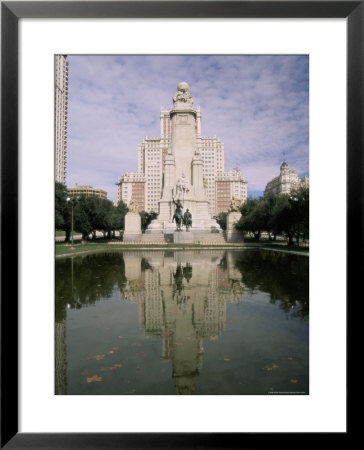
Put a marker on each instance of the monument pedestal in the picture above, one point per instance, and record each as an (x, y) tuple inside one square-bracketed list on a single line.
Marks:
[(183, 237), (232, 235), (133, 230)]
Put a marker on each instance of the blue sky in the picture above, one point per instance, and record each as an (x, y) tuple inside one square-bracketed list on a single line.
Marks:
[(257, 105)]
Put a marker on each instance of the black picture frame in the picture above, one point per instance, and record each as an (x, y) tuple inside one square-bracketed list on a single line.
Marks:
[(11, 12)]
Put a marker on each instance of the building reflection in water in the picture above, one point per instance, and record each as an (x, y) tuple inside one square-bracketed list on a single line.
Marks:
[(182, 299)]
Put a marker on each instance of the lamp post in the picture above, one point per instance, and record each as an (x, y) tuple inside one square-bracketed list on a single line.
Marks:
[(71, 203)]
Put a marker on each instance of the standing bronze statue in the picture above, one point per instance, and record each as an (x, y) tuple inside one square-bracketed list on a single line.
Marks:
[(187, 219)]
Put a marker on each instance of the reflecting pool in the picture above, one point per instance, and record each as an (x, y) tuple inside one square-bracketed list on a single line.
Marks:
[(182, 322)]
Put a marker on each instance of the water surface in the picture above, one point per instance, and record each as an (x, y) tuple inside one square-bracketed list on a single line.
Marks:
[(182, 322)]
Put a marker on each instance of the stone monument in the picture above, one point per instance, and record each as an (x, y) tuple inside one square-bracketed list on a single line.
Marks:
[(183, 170), (234, 215), (133, 230)]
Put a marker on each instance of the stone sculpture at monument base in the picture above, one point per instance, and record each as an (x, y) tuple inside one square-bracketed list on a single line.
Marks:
[(183, 237), (232, 235), (133, 231)]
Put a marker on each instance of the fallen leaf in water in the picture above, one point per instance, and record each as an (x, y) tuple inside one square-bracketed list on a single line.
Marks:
[(94, 378), (141, 354), (87, 357), (292, 380), (110, 352), (269, 369), (115, 348), (84, 372), (213, 338), (104, 369), (118, 365), (275, 366), (226, 358), (99, 357)]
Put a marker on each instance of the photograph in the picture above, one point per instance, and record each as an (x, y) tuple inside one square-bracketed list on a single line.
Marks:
[(181, 224)]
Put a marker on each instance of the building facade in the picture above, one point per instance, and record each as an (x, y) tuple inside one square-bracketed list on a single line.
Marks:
[(286, 181), (228, 185), (87, 191), (152, 154), (131, 186), (60, 115)]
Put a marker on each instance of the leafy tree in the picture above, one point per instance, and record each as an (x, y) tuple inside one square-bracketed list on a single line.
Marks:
[(291, 214), (62, 210), (81, 217), (221, 219), (120, 212), (253, 217), (146, 219), (299, 201)]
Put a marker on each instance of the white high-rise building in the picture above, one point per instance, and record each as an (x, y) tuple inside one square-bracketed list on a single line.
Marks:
[(152, 153), (60, 115)]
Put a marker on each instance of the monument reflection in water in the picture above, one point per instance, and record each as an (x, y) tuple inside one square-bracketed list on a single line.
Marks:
[(214, 313)]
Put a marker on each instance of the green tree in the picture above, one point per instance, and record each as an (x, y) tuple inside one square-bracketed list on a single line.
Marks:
[(300, 203), (120, 212), (291, 214), (81, 217), (146, 219), (221, 219), (283, 218), (62, 210), (253, 218)]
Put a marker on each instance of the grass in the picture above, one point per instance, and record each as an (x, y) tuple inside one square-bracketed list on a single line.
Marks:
[(67, 249), (115, 245), (63, 233)]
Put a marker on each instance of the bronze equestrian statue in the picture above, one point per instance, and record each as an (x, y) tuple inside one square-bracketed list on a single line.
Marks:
[(177, 216)]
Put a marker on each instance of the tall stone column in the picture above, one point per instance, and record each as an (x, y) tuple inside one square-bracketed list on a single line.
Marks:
[(169, 177), (165, 203), (183, 130), (183, 142), (197, 175)]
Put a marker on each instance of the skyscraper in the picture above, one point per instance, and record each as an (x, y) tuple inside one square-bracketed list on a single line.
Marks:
[(60, 115)]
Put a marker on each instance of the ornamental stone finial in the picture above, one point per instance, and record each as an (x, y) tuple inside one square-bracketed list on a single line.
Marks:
[(183, 95)]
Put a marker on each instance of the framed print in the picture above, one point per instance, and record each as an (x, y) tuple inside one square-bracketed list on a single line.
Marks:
[(326, 36)]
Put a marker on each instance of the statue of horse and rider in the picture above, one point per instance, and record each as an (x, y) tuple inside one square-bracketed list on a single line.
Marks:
[(181, 219)]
